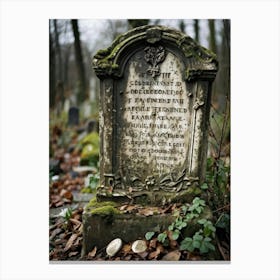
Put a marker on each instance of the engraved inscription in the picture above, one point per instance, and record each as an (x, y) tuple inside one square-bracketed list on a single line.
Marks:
[(156, 121)]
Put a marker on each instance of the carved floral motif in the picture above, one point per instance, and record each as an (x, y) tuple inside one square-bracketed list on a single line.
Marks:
[(168, 182), (154, 56)]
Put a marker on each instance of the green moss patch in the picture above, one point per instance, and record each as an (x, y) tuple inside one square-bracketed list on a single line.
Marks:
[(104, 208)]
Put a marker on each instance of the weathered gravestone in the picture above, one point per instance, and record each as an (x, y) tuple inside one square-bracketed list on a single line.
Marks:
[(73, 116), (155, 102)]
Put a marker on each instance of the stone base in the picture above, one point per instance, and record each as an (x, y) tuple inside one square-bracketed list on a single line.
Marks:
[(100, 230), (105, 223)]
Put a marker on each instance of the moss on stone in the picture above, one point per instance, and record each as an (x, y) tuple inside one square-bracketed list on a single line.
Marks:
[(105, 64), (104, 208)]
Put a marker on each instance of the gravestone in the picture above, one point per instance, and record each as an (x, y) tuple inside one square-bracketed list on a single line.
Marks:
[(155, 102), (73, 116), (91, 126), (155, 91)]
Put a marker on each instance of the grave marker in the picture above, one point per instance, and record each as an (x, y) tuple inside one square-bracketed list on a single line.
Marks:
[(73, 116), (155, 102)]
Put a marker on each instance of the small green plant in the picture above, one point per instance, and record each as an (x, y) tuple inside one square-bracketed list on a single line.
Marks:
[(198, 241), (217, 181), (149, 235), (162, 238), (91, 183), (201, 240), (66, 214)]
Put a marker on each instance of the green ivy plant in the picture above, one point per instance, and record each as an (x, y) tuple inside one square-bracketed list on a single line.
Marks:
[(201, 240)]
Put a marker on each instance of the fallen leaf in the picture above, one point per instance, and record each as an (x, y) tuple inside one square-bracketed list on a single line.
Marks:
[(153, 243), (60, 203), (172, 256), (77, 242), (143, 255), (193, 257), (76, 222), (167, 209), (92, 253), (146, 212), (55, 232), (173, 244), (126, 249), (66, 194), (127, 258), (154, 254), (71, 254), (123, 207), (130, 208), (70, 241), (160, 248)]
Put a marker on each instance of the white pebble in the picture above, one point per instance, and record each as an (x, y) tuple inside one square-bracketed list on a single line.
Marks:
[(139, 246), (113, 247)]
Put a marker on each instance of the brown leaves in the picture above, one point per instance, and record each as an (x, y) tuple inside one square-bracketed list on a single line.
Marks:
[(144, 211), (66, 238), (70, 242), (66, 194), (92, 253), (126, 249)]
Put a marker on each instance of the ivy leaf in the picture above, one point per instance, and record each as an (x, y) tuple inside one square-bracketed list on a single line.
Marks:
[(161, 237), (196, 244), (210, 246), (204, 186), (149, 235), (198, 237), (202, 221), (187, 244), (184, 209), (171, 227), (203, 249), (175, 234)]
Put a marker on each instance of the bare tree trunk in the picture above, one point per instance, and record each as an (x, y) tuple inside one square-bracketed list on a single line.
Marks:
[(137, 22), (212, 35), (196, 29), (57, 45), (79, 62), (182, 25), (52, 71), (59, 85)]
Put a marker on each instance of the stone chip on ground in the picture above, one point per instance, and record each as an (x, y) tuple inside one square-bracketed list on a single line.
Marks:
[(139, 246), (113, 247), (172, 256)]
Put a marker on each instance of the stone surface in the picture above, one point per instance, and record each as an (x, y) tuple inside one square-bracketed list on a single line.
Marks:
[(139, 246), (73, 116), (155, 101), (113, 247), (172, 256)]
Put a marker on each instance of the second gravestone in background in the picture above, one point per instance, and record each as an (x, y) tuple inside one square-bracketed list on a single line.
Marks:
[(155, 103)]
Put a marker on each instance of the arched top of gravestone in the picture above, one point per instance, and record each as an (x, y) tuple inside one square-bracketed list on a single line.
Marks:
[(200, 63)]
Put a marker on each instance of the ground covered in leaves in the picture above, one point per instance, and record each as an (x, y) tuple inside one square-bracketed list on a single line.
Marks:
[(70, 190)]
